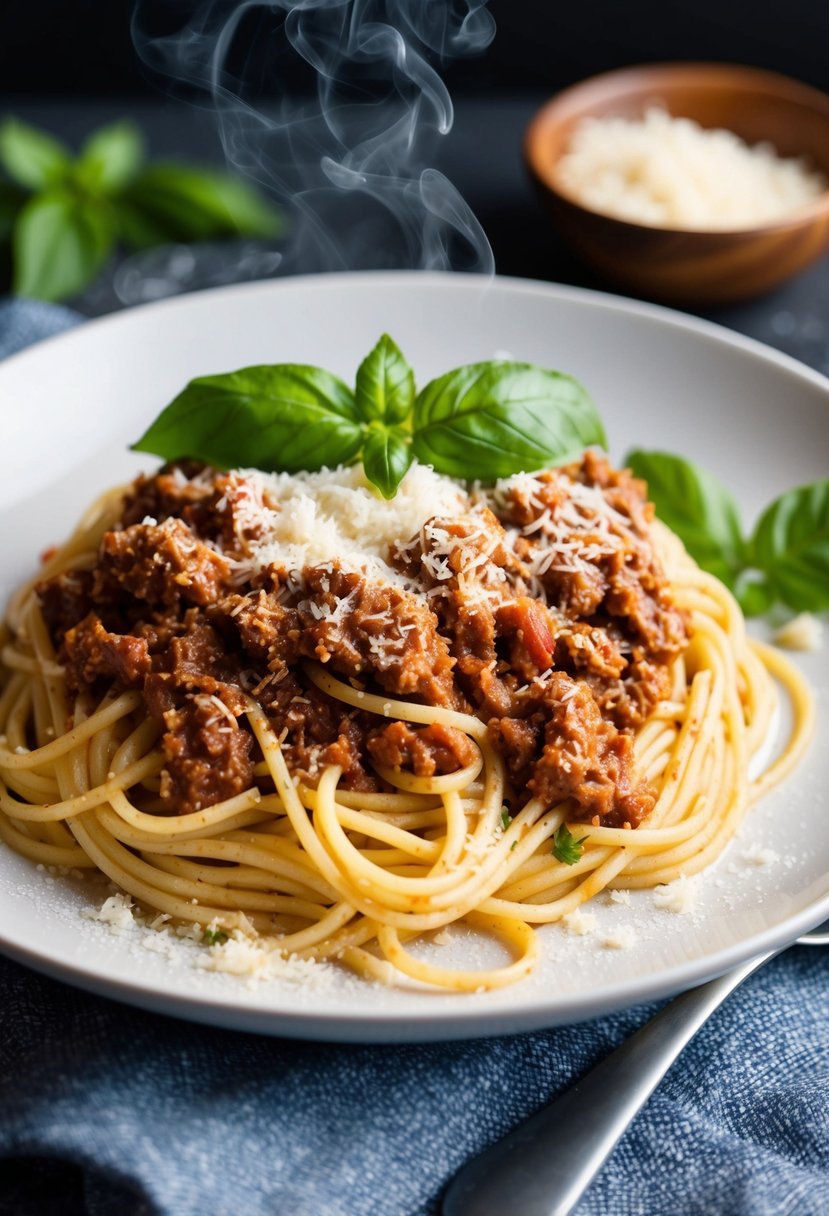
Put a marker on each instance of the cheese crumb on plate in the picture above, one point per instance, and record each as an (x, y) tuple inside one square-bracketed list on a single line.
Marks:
[(115, 912), (678, 896), (621, 939), (803, 632), (756, 855), (580, 923)]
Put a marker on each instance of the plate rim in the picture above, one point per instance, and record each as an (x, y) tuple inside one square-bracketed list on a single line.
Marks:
[(402, 1026), (613, 301)]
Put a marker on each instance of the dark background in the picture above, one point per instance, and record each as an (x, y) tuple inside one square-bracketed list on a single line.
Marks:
[(70, 65), (83, 47)]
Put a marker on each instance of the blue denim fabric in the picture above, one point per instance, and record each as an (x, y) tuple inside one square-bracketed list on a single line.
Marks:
[(150, 1115), (111, 1111), (23, 322)]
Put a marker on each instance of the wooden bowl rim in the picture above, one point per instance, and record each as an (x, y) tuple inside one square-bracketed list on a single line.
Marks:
[(565, 105)]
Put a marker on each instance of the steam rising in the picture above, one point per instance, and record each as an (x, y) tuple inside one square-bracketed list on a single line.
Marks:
[(352, 166)]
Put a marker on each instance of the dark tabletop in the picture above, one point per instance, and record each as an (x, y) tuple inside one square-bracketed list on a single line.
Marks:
[(481, 155)]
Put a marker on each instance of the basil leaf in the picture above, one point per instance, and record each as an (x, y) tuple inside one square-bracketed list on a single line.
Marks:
[(237, 204), (286, 417), (696, 506), (790, 546), (30, 157), (753, 594), (60, 244), (194, 204), (136, 228), (386, 458), (385, 388), (111, 157), (489, 420)]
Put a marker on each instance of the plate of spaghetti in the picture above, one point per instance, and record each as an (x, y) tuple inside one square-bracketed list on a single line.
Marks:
[(369, 696)]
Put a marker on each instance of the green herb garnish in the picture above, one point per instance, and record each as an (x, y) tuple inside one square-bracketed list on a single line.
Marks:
[(214, 937), (288, 417), (493, 419), (385, 385), (65, 214), (565, 846), (387, 454), (786, 558), (483, 421), (506, 818)]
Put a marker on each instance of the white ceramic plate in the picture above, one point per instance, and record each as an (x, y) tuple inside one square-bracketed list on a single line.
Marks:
[(756, 418)]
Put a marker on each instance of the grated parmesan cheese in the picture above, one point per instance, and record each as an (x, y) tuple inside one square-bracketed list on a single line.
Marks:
[(621, 939), (672, 173), (335, 515), (584, 529), (260, 959), (116, 912), (579, 923), (159, 941), (803, 632), (678, 896), (756, 855)]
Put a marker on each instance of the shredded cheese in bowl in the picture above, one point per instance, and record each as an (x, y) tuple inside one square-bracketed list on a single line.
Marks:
[(670, 172)]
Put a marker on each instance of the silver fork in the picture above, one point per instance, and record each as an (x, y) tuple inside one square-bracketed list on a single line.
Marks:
[(545, 1165)]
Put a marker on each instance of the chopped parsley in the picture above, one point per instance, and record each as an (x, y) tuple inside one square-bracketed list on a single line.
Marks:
[(214, 937), (506, 818), (565, 846)]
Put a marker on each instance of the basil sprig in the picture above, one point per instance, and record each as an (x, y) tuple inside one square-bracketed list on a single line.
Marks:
[(483, 421), (784, 560), (66, 214)]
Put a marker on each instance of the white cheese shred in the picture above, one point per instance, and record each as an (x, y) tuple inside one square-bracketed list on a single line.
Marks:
[(115, 912), (802, 632), (335, 515), (620, 939), (678, 896), (580, 924)]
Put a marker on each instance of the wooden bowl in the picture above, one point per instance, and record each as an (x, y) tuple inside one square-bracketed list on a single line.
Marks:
[(690, 266)]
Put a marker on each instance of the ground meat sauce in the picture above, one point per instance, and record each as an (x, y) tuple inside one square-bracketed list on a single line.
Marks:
[(540, 607)]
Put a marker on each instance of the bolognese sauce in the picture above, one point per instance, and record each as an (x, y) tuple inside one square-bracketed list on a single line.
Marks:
[(539, 606)]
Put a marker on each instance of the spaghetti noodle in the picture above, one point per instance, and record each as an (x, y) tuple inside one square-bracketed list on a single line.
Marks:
[(358, 874)]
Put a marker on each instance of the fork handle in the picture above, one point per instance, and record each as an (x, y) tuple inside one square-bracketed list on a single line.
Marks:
[(545, 1165)]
